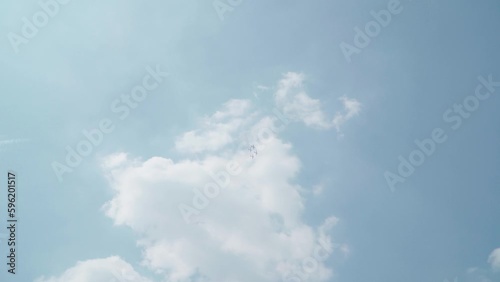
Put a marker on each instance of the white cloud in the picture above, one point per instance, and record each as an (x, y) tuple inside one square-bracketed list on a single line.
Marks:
[(233, 108), (293, 100), (351, 109), (216, 130), (254, 225), (318, 189), (494, 260), (111, 269), (114, 160)]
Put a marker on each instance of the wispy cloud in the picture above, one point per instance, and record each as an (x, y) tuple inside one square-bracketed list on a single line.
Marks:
[(351, 109), (292, 98), (494, 260), (252, 221), (111, 269)]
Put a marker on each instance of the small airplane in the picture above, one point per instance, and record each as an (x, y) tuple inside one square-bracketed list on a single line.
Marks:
[(253, 151)]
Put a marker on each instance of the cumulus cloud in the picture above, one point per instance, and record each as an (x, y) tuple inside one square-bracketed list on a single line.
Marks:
[(251, 220), (494, 260), (220, 213), (216, 131), (293, 100), (111, 269), (254, 224)]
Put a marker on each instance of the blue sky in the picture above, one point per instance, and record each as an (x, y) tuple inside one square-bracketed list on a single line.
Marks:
[(311, 201)]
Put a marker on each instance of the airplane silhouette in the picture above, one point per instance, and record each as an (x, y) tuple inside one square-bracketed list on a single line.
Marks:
[(253, 151)]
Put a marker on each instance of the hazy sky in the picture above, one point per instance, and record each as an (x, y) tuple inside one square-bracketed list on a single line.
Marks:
[(248, 141)]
